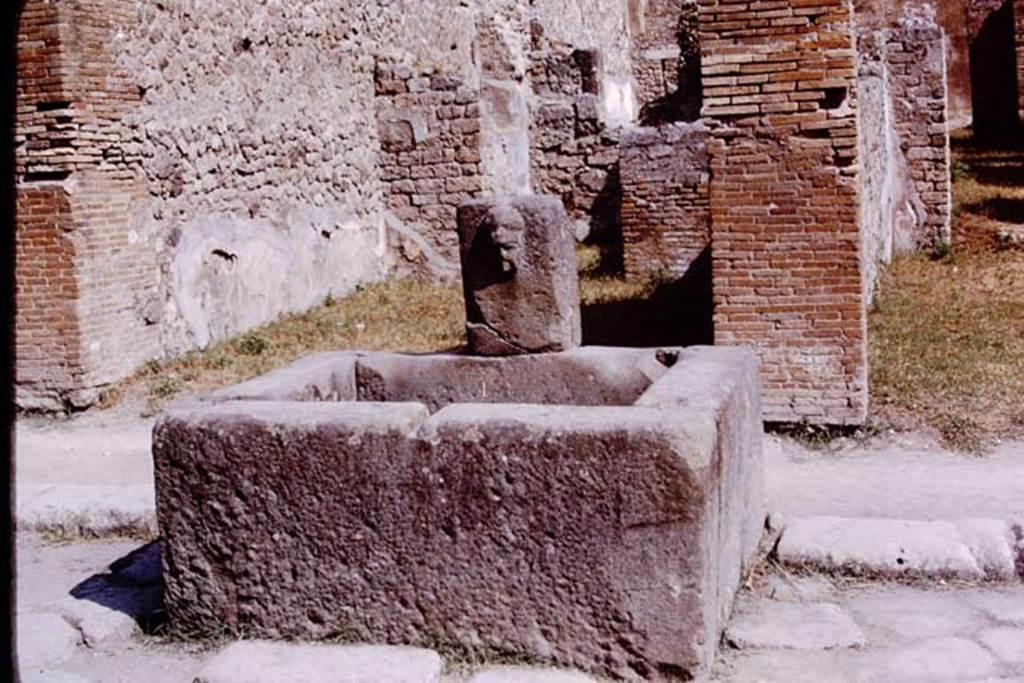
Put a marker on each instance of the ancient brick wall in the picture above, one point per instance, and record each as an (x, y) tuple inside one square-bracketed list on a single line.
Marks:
[(780, 90), (666, 61), (573, 153), (429, 127), (72, 162), (48, 341), (915, 55), (656, 50), (665, 211), (904, 139)]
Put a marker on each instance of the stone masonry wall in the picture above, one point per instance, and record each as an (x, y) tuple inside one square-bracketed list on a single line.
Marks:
[(209, 152), (656, 50), (429, 127), (665, 213), (258, 144), (916, 58), (779, 87), (905, 155), (666, 61), (573, 153)]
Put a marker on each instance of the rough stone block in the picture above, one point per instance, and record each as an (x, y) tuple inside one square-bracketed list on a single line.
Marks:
[(519, 275), (607, 537)]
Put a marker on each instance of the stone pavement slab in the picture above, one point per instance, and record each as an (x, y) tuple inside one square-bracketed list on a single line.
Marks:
[(271, 662), (792, 626), (90, 476), (515, 674), (1007, 644), (966, 549), (44, 638), (897, 478)]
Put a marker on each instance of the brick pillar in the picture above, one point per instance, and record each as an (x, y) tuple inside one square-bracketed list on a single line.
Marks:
[(86, 277), (779, 89)]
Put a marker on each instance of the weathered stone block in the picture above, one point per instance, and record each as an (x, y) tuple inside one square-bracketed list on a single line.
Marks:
[(519, 275), (609, 537)]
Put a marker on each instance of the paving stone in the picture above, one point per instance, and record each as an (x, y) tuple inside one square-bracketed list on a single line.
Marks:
[(894, 614), (973, 549), (271, 662), (86, 510), (1006, 643), (44, 638), (815, 626), (51, 676), (514, 674), (930, 661), (109, 608), (1005, 606), (791, 666)]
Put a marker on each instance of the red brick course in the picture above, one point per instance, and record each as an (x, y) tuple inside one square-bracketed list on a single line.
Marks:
[(779, 87), (84, 324)]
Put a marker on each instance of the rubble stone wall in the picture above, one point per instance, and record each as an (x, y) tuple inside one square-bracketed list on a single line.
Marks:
[(665, 212), (780, 90), (573, 151)]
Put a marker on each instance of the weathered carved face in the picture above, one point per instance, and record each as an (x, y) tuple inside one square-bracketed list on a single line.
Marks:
[(506, 227)]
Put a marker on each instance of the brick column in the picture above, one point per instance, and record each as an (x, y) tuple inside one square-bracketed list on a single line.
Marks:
[(86, 278), (779, 89)]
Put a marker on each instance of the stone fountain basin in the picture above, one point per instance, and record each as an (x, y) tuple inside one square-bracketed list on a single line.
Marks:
[(594, 508)]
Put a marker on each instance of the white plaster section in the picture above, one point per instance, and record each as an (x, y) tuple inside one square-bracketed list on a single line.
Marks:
[(230, 274), (619, 101)]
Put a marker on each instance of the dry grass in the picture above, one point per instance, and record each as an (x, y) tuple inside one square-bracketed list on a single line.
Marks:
[(947, 334), (396, 315), (403, 315)]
